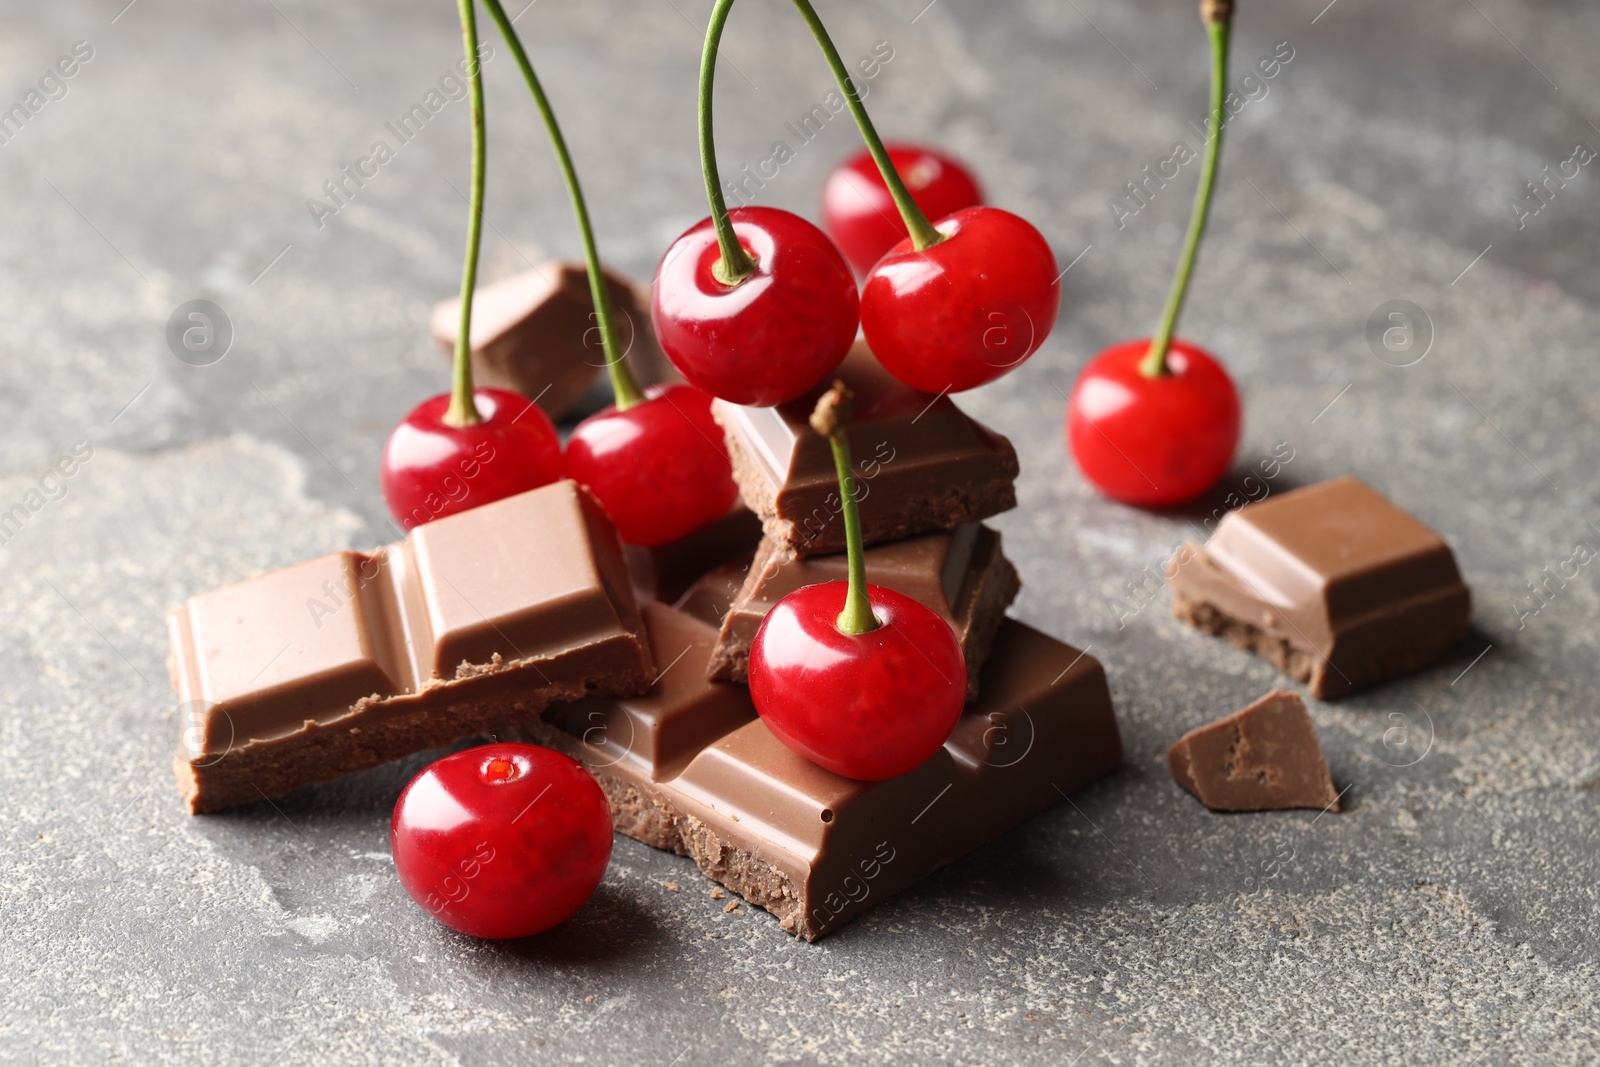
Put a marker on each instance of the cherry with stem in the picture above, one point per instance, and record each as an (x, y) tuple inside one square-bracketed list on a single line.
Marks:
[(859, 679), (470, 446), (654, 459), (1155, 422), (753, 305)]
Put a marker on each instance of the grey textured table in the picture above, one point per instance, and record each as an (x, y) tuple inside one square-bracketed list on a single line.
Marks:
[(1449, 916)]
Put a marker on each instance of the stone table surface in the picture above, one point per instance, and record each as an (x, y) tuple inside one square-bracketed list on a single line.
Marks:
[(1447, 916)]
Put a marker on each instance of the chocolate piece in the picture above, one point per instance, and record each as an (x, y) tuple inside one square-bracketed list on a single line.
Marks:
[(1262, 758), (473, 623), (961, 575), (689, 767), (1332, 583), (665, 572), (920, 464), (710, 598), (535, 332)]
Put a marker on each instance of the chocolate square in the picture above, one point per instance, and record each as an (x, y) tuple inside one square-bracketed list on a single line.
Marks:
[(1332, 583), (535, 334), (920, 463)]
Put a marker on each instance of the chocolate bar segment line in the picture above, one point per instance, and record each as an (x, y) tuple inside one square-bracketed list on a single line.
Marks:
[(461, 629), (814, 848)]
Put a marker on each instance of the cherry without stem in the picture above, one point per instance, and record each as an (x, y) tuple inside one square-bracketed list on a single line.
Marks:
[(966, 310), (868, 706), (860, 214), (431, 469), (770, 336), (503, 840), (658, 468), (1156, 441)]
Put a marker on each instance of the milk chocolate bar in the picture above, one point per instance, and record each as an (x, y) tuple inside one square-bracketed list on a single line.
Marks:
[(665, 572), (690, 768), (1263, 758), (920, 463), (1332, 583), (962, 575), (535, 332), (474, 623)]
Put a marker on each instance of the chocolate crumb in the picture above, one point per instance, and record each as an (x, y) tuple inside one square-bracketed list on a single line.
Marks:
[(672, 887), (717, 893), (733, 905)]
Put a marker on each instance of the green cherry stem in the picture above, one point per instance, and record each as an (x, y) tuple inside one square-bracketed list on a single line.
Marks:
[(735, 264), (1217, 15), (462, 410), (624, 387), (922, 232), (832, 412)]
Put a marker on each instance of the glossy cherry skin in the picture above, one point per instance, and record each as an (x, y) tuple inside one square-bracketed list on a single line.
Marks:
[(860, 215), (869, 706), (659, 469), (502, 840), (966, 310), (778, 332), (1153, 441), (431, 470)]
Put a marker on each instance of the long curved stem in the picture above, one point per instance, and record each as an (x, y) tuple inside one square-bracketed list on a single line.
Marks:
[(1217, 16), (735, 264), (462, 410), (624, 388), (922, 232)]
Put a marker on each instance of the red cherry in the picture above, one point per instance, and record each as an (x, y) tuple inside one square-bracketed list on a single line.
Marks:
[(502, 840), (868, 706), (659, 469), (1153, 441), (966, 310), (431, 469), (861, 216), (777, 333)]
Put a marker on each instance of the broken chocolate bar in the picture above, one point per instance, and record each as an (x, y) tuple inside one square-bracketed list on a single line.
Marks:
[(665, 572), (534, 333), (475, 622), (961, 575), (1332, 583), (920, 464), (1263, 758), (689, 767)]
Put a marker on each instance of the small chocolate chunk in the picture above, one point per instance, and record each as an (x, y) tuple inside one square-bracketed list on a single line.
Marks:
[(920, 463), (1262, 758), (1335, 585), (962, 575), (535, 333)]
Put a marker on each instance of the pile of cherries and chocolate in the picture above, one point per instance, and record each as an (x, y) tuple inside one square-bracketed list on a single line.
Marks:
[(757, 306)]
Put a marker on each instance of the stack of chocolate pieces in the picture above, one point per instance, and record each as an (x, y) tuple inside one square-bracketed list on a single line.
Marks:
[(925, 477), (691, 768), (522, 619)]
